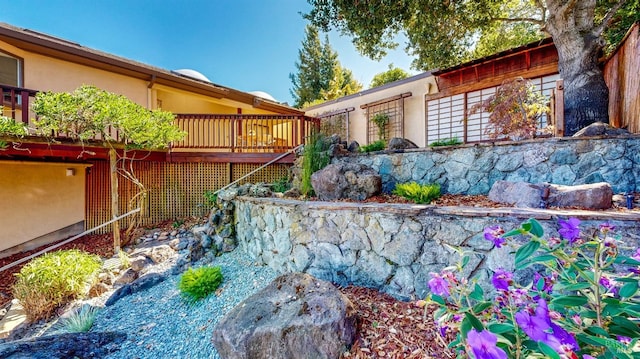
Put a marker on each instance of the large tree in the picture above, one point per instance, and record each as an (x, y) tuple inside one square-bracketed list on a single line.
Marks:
[(441, 33), (319, 77)]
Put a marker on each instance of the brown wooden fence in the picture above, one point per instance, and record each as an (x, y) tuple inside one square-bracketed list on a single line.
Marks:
[(622, 76), (174, 189)]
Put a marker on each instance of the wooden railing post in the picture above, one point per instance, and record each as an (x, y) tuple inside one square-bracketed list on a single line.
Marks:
[(24, 99), (559, 108)]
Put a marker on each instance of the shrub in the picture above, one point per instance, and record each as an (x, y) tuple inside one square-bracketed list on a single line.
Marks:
[(446, 142), (80, 321), (378, 145), (196, 284), (315, 158), (210, 198), (281, 185), (54, 279), (418, 193), (515, 109), (579, 305)]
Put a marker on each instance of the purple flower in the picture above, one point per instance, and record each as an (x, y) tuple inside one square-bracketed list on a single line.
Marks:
[(539, 327), (636, 255), (624, 340), (569, 229), (607, 227), (493, 234), (483, 345), (502, 279), (587, 356), (438, 285), (605, 282)]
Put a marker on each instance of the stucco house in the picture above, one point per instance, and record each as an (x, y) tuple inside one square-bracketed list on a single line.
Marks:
[(53, 190)]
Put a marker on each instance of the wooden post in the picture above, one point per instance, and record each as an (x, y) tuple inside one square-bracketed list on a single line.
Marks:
[(559, 108), (113, 161)]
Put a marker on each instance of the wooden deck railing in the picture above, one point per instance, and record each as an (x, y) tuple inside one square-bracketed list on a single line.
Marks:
[(243, 133), (15, 101)]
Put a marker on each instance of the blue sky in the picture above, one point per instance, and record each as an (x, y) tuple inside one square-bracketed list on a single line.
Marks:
[(248, 45)]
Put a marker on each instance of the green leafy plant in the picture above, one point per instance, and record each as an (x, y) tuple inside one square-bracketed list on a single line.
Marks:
[(198, 283), (515, 110), (80, 321), (381, 120), (315, 157), (583, 300), (124, 259), (418, 193), (281, 185), (210, 198), (177, 223), (54, 279), (446, 142), (378, 145), (10, 127)]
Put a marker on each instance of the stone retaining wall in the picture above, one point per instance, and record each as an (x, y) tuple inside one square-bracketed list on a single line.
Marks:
[(473, 169), (390, 247)]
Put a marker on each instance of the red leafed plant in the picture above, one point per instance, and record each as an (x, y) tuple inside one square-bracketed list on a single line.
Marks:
[(515, 110)]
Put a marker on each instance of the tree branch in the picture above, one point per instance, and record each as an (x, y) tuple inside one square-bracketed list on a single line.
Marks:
[(606, 20)]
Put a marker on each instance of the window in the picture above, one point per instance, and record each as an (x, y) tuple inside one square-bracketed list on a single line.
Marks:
[(10, 70)]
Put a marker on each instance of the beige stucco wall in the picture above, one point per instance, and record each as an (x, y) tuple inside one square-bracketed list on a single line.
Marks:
[(414, 107), (38, 198)]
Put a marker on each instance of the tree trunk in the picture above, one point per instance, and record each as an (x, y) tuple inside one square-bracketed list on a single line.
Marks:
[(113, 160), (571, 24)]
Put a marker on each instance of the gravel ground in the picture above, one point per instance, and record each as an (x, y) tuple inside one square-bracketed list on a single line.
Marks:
[(160, 324)]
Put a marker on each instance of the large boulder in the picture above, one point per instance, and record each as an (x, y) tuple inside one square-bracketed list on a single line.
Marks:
[(519, 194), (601, 129), (586, 196), (399, 143), (346, 180), (523, 194), (68, 345), (295, 316)]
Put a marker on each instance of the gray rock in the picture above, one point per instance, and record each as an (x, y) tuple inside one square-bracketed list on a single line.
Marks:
[(354, 146), (296, 316), (398, 143), (353, 181), (138, 263), (601, 129), (589, 196), (68, 345), (126, 277), (141, 283), (520, 194)]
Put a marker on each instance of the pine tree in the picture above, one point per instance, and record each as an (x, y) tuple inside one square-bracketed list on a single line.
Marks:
[(319, 77)]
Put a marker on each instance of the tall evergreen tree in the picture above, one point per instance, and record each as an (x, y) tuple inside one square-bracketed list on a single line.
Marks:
[(319, 77)]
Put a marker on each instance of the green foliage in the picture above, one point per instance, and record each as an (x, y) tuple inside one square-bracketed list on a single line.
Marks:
[(281, 185), (315, 157), (448, 32), (381, 120), (626, 17), (515, 109), (391, 75), (583, 298), (54, 279), (89, 111), (196, 284), (378, 145), (80, 321), (319, 77), (124, 258), (10, 127), (418, 193), (210, 197), (446, 142)]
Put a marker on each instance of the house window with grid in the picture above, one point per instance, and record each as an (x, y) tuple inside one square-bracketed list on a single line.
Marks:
[(448, 117), (10, 70), (392, 113)]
